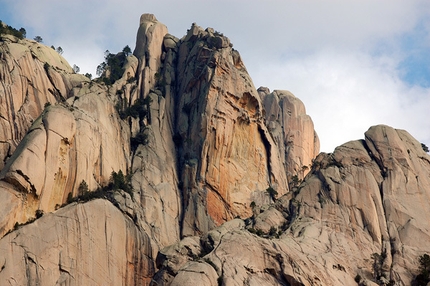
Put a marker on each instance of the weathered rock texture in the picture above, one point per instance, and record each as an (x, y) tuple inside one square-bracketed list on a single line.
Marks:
[(200, 146), (298, 144), (31, 75), (69, 143), (80, 244), (369, 196), (228, 158)]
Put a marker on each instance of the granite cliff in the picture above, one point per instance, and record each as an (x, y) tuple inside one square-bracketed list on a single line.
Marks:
[(180, 172)]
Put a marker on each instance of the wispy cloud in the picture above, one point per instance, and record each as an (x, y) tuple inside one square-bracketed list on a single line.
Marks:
[(353, 63), (347, 93)]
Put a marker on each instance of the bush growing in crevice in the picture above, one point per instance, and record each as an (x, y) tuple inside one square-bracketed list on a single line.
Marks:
[(257, 231), (272, 193), (294, 182), (17, 225), (423, 278), (83, 188), (139, 109), (112, 68), (273, 232), (357, 278), (118, 181), (140, 138), (377, 268), (39, 213), (8, 30)]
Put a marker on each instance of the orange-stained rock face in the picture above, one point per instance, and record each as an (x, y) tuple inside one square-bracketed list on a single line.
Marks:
[(221, 124), (208, 147), (368, 196), (217, 209)]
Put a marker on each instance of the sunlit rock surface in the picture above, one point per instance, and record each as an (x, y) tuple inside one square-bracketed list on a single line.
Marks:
[(227, 184)]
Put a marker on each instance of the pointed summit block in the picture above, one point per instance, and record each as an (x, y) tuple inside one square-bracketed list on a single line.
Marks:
[(149, 48)]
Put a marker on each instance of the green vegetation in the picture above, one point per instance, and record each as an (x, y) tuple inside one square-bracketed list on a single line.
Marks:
[(126, 51), (357, 278), (112, 68), (273, 232), (118, 181), (423, 278), (131, 79), (59, 50), (257, 231), (272, 193), (378, 271), (315, 164), (39, 213), (38, 39), (8, 30), (140, 138), (378, 262), (83, 188), (139, 108), (294, 182), (76, 69)]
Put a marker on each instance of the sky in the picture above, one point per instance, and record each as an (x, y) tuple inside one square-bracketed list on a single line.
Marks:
[(354, 64)]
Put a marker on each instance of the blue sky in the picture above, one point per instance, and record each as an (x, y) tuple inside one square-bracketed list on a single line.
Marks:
[(415, 67), (353, 63)]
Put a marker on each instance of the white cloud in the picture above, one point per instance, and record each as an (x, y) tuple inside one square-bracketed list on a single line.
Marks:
[(340, 57), (345, 94)]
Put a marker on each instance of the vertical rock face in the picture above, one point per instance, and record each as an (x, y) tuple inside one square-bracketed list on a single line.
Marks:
[(201, 147), (31, 75), (69, 143), (148, 50), (81, 244), (298, 144), (228, 159), (154, 165), (367, 199), (371, 193)]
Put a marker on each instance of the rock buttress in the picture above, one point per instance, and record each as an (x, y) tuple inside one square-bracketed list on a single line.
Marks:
[(228, 159)]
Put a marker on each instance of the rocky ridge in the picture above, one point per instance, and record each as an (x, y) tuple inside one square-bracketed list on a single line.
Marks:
[(368, 196), (202, 147)]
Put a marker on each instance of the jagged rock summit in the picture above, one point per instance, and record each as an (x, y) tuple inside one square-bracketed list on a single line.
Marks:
[(201, 178)]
